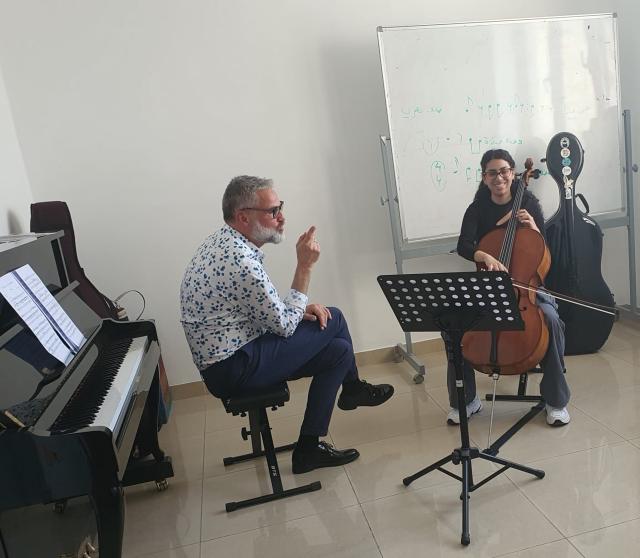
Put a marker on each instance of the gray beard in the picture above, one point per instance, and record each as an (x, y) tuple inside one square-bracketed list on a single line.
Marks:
[(265, 235)]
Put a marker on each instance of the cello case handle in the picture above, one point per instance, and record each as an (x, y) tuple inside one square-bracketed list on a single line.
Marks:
[(584, 202)]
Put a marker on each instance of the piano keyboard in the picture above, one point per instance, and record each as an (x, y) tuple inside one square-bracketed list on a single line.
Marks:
[(104, 393)]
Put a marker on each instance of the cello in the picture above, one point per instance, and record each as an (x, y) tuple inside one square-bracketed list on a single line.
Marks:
[(524, 253), (575, 241)]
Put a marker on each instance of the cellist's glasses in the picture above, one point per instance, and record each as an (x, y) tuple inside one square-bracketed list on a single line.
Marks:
[(492, 174)]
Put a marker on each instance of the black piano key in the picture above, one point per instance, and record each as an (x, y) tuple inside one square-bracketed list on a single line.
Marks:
[(83, 406)]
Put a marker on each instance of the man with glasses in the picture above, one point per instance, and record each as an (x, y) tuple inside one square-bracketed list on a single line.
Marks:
[(243, 337)]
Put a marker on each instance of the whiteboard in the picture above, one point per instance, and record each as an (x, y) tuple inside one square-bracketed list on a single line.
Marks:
[(455, 91)]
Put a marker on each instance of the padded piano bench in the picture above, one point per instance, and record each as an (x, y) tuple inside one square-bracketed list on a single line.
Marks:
[(255, 405)]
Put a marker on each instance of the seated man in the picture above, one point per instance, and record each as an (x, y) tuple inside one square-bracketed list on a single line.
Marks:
[(244, 337)]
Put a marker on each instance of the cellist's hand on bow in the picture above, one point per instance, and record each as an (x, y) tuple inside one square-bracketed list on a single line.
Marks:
[(488, 261)]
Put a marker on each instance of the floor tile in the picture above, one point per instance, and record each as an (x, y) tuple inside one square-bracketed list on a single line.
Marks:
[(336, 493), (187, 454), (587, 490), (189, 405), (537, 440), (158, 521), (187, 418), (339, 534), (618, 410), (433, 359), (382, 464), (558, 549), (403, 413), (631, 355), (618, 540), (226, 443), (624, 335), (299, 386), (428, 522), (591, 374), (191, 551)]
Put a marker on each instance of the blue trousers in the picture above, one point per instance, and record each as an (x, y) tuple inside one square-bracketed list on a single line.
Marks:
[(324, 355), (553, 387)]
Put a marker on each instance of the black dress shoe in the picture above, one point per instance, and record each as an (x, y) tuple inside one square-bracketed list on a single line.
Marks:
[(323, 455), (363, 394)]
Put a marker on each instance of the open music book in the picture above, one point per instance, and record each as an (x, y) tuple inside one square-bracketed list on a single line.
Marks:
[(30, 298)]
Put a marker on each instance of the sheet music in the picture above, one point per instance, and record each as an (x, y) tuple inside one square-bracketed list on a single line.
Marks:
[(33, 302)]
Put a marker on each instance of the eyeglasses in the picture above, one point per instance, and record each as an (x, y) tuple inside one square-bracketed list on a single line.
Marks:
[(504, 172), (275, 211)]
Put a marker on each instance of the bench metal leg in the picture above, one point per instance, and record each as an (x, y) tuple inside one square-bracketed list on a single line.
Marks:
[(261, 430)]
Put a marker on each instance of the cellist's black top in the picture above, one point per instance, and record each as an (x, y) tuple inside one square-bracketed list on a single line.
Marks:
[(483, 214)]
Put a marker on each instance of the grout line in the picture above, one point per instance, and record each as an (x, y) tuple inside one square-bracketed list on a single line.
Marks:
[(156, 552), (262, 526), (373, 535), (608, 444), (601, 423), (576, 548), (535, 506), (532, 547), (204, 447), (600, 529), (359, 504)]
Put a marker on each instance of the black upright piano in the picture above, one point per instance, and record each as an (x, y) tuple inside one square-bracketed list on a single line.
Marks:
[(71, 437)]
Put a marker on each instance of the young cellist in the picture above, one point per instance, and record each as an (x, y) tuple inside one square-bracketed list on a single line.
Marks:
[(491, 208)]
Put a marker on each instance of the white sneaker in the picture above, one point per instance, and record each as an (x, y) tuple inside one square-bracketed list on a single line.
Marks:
[(556, 416), (453, 416)]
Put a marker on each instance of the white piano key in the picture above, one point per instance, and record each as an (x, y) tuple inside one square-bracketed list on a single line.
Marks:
[(123, 387)]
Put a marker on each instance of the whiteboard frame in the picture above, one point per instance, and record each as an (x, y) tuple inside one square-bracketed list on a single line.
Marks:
[(415, 248)]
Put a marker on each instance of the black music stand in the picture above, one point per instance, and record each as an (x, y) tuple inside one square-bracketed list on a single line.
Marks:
[(456, 303)]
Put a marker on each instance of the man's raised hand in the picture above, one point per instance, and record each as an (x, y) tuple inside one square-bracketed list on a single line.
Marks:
[(307, 248)]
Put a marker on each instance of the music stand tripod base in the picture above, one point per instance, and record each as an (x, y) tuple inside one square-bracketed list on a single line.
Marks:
[(456, 303)]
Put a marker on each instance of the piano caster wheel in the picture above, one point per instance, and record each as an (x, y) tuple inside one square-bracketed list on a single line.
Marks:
[(60, 506), (418, 379), (162, 485)]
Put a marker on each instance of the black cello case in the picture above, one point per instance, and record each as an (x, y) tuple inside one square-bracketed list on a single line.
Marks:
[(575, 243)]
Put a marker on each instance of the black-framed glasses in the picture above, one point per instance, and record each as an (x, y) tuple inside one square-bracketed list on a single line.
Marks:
[(504, 172), (275, 211)]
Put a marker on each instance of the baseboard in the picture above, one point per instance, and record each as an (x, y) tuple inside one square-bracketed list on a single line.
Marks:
[(628, 317), (192, 389), (387, 354)]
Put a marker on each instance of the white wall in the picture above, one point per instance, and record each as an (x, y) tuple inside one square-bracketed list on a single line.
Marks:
[(137, 113), (15, 192)]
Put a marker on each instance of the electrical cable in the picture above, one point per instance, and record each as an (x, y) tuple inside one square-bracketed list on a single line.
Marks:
[(144, 302)]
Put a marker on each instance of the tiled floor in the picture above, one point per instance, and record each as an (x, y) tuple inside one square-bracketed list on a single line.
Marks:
[(588, 504)]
